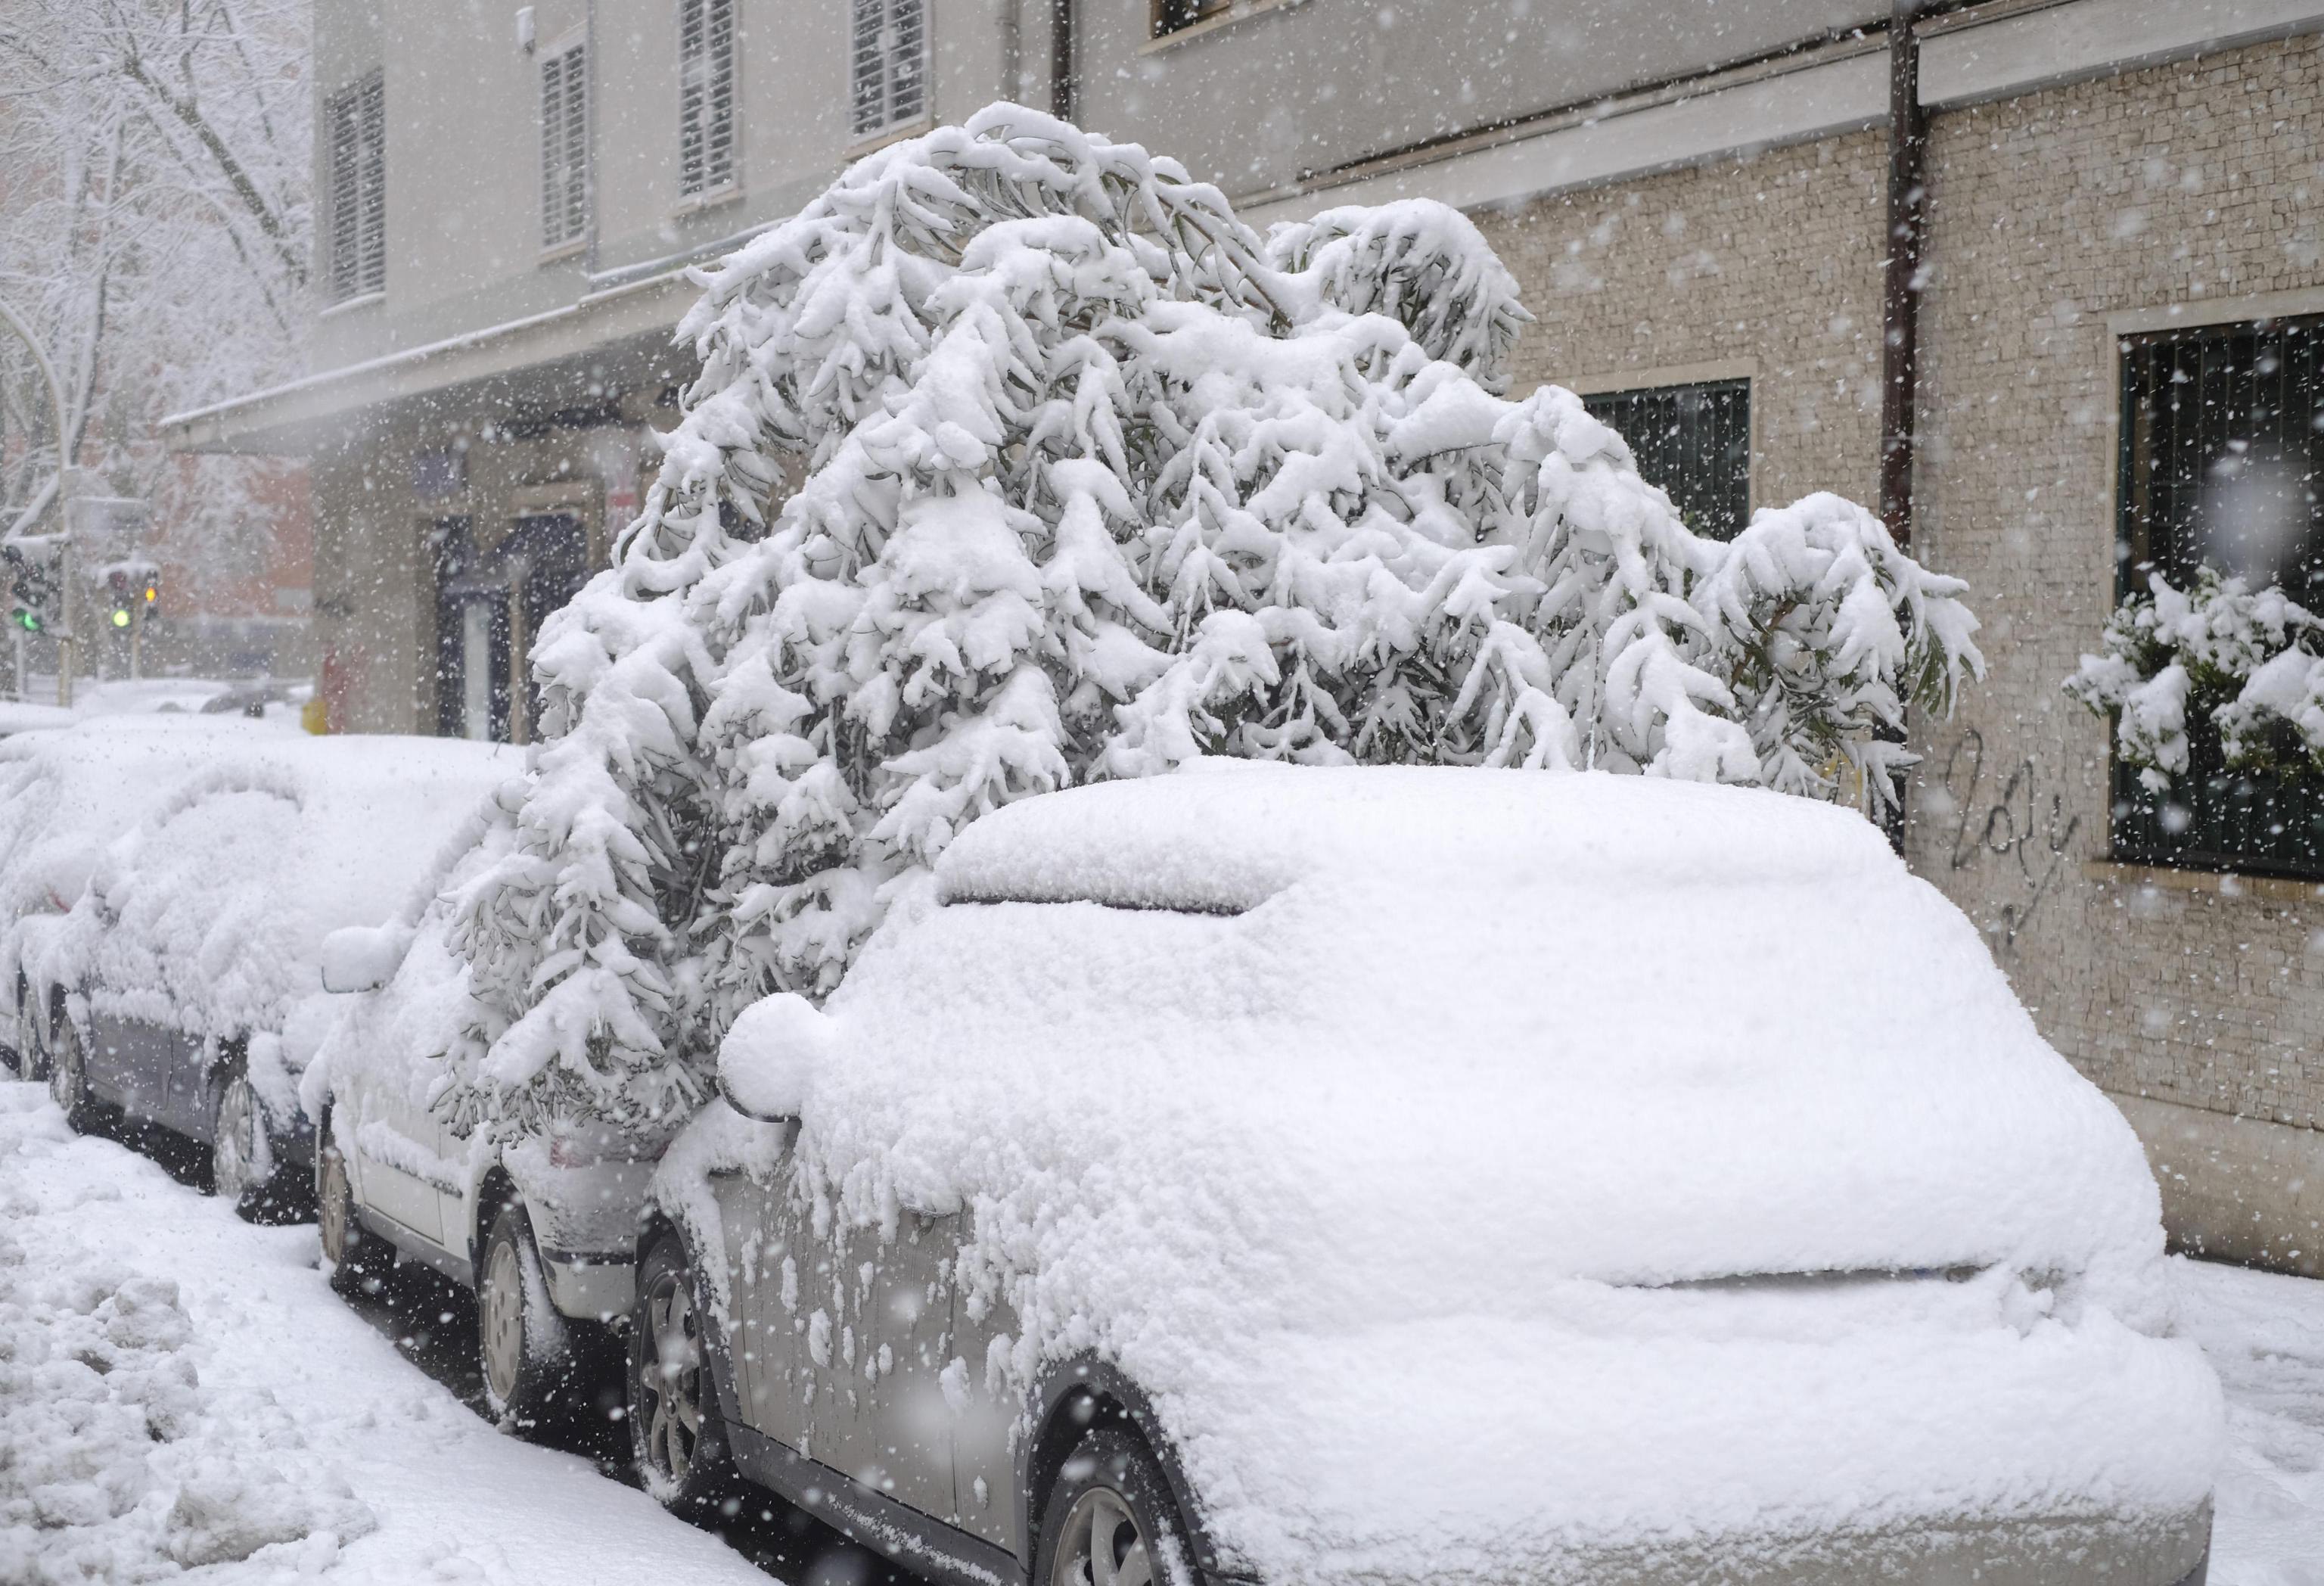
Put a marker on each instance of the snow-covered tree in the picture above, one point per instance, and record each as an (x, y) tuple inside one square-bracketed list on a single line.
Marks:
[(1089, 481), (153, 229), (2250, 662)]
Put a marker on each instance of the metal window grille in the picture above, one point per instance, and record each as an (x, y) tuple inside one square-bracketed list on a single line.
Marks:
[(1696, 442), (564, 147), (1172, 17), (889, 65), (705, 95), (2222, 464), (358, 120)]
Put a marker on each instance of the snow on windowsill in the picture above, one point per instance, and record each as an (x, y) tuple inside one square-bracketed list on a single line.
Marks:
[(872, 142), (348, 305), (2222, 883), (1210, 25), (725, 192), (564, 250)]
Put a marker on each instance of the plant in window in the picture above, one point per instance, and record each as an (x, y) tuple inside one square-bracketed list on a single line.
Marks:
[(2250, 663)]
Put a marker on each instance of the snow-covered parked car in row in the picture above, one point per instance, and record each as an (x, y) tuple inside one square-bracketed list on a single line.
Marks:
[(66, 794), (544, 1232), (191, 963), (1319, 1176)]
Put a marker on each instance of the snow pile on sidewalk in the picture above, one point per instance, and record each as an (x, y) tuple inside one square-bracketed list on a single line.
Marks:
[(291, 1401), (2265, 1335), (117, 1462)]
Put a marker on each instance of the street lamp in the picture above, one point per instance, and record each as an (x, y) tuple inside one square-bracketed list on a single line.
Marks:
[(64, 632)]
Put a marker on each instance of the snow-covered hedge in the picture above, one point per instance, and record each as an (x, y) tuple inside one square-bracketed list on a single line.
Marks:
[(1016, 461), (2249, 662)]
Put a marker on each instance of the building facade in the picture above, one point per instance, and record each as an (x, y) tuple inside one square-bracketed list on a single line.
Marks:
[(2120, 250)]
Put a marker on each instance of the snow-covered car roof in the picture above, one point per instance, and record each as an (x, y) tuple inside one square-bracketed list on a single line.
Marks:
[(66, 793), (210, 915), (1342, 1108)]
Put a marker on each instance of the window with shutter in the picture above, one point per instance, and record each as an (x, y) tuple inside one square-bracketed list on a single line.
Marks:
[(890, 64), (564, 147), (356, 117), (705, 95)]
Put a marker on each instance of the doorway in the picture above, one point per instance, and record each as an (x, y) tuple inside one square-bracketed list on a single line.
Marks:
[(489, 606)]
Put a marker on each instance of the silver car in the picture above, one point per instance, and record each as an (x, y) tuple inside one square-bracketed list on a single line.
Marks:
[(1366, 1176)]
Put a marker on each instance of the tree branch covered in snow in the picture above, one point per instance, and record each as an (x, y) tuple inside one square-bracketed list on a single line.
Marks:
[(2250, 663), (1092, 481)]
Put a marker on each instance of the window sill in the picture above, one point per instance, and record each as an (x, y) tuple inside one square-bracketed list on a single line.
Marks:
[(1240, 10), (349, 305), (725, 192), (2218, 883), (872, 142), (564, 250)]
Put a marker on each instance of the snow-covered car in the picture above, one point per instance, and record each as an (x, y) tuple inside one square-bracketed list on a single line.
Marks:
[(65, 795), (191, 960), (543, 1231), (1430, 1176)]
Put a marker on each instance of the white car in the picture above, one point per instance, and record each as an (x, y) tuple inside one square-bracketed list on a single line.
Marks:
[(1391, 1176), (544, 1233), (191, 963)]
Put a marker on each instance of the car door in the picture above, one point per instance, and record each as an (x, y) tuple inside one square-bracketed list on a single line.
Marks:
[(912, 1414), (985, 1457), (127, 1061), (765, 1329), (395, 1167)]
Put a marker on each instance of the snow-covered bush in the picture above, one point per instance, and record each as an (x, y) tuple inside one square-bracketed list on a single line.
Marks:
[(1091, 482), (2249, 662)]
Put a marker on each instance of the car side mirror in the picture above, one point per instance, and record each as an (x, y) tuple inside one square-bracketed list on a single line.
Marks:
[(767, 1061), (362, 958)]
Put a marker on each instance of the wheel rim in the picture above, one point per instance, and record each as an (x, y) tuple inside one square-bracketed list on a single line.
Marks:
[(501, 1317), (333, 1217), (234, 1142), (1102, 1544), (669, 1378)]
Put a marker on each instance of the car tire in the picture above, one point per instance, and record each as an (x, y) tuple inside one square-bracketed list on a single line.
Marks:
[(32, 1062), (69, 1081), (676, 1433), (357, 1259), (523, 1345), (1111, 1493), (241, 1171)]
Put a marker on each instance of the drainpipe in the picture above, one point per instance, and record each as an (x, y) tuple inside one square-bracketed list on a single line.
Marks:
[(1900, 300), (1062, 85)]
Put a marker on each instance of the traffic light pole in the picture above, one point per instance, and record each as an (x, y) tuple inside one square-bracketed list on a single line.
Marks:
[(64, 494)]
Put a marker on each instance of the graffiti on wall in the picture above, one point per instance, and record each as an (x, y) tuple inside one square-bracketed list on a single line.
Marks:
[(2011, 820)]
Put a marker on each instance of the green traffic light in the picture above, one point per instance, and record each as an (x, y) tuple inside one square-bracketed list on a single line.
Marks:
[(120, 618), (28, 621)]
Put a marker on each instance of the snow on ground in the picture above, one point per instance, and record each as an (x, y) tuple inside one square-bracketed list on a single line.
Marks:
[(179, 1388), (2265, 1335), (225, 1358)]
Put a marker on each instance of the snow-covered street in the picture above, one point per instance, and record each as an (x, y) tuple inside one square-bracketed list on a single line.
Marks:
[(180, 1391), (179, 1388)]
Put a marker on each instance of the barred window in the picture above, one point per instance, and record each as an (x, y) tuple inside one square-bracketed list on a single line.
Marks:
[(1692, 440), (1172, 17), (565, 147), (705, 95), (890, 64), (357, 119), (2222, 466)]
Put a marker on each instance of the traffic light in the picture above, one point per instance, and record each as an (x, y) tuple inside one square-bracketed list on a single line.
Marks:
[(120, 592), (34, 590)]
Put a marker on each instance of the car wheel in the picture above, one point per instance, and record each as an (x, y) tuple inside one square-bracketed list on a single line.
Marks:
[(675, 1429), (523, 1343), (352, 1254), (238, 1174), (32, 1063), (1110, 1520), (69, 1080)]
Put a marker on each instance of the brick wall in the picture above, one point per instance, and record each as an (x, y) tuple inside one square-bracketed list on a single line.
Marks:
[(2186, 183)]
